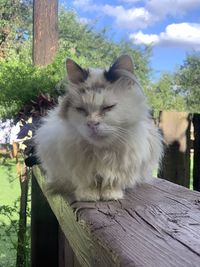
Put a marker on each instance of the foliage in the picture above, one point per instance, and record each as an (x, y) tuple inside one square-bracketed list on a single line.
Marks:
[(21, 82), (9, 214), (15, 25), (188, 80), (165, 95), (93, 48), (8, 234)]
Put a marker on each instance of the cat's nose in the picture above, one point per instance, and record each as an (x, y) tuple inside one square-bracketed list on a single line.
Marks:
[(93, 124)]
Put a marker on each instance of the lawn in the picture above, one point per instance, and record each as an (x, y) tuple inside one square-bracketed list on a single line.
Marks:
[(9, 206)]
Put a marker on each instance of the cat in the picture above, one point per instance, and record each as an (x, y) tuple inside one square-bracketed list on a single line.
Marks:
[(100, 139)]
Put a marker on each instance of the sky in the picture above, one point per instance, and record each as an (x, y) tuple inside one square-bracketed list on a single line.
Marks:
[(171, 27)]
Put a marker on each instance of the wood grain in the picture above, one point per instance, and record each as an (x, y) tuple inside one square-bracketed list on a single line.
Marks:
[(156, 224), (45, 31)]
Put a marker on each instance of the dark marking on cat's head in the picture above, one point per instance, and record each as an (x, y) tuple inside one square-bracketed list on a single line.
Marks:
[(123, 63), (76, 74), (96, 87)]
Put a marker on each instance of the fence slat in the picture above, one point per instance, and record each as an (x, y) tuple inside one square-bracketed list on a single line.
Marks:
[(196, 168), (175, 166)]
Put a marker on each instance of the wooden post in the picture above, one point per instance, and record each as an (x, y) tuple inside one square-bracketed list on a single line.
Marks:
[(67, 258), (44, 230), (196, 169), (44, 226), (45, 31), (175, 166)]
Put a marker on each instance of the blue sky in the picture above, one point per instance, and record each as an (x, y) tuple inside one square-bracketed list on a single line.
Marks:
[(172, 27)]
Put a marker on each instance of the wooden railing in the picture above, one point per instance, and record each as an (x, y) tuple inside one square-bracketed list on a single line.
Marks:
[(156, 224)]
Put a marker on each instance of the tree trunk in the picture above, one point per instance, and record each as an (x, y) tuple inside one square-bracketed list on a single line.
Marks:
[(45, 31)]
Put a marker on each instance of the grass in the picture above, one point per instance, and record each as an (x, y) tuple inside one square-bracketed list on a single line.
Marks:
[(9, 206)]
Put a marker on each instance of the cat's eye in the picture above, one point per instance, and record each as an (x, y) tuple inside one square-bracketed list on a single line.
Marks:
[(108, 108), (81, 110)]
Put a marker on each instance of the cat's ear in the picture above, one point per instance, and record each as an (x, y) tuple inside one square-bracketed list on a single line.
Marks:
[(122, 63), (75, 73)]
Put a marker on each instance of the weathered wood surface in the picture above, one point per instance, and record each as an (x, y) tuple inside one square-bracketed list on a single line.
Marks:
[(156, 224), (67, 258), (175, 166), (45, 31)]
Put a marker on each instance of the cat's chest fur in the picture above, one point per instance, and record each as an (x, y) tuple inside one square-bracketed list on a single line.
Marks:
[(105, 164)]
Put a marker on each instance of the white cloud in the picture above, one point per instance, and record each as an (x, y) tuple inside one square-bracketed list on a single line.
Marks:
[(182, 34), (149, 12), (141, 38), (133, 18), (82, 3), (171, 7), (130, 1), (84, 20)]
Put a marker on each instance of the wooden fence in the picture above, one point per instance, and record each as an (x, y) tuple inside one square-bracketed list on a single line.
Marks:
[(156, 224), (181, 162)]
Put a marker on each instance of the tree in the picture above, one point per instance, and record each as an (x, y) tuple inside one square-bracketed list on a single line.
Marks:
[(188, 79), (90, 47), (15, 25), (21, 82), (165, 94)]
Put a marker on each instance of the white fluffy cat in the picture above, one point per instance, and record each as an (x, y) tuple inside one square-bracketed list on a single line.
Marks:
[(100, 139)]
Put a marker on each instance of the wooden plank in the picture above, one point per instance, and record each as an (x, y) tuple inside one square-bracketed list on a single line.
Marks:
[(175, 166), (67, 257), (156, 224), (45, 31), (196, 168), (44, 230)]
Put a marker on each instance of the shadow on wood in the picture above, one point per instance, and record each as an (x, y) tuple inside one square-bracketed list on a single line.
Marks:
[(44, 230)]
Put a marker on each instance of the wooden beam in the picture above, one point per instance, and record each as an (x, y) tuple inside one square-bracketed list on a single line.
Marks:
[(44, 230), (156, 224), (45, 31)]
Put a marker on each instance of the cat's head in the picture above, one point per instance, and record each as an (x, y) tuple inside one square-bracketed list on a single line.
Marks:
[(102, 105)]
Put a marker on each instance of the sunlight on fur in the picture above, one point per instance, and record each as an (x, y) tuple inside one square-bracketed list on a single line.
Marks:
[(100, 138)]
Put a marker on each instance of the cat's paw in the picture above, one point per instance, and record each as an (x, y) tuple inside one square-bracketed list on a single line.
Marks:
[(111, 194), (87, 194)]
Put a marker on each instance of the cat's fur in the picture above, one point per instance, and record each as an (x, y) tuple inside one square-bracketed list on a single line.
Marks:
[(100, 139)]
